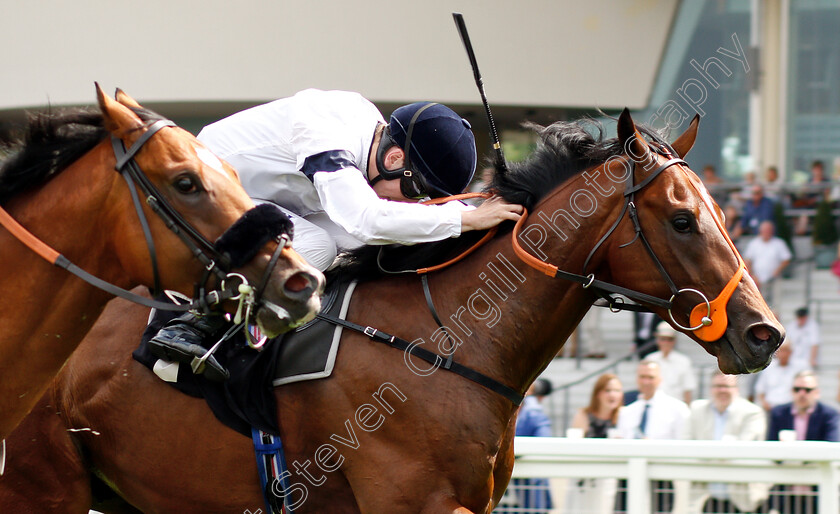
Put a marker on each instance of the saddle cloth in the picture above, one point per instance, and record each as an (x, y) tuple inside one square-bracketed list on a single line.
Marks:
[(247, 400)]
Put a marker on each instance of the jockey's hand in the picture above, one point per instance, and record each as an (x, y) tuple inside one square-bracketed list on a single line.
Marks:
[(489, 214)]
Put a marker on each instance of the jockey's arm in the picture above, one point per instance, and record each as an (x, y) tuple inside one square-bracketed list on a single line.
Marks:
[(350, 202)]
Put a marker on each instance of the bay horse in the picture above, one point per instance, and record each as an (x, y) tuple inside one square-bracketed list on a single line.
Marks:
[(60, 193), (389, 432)]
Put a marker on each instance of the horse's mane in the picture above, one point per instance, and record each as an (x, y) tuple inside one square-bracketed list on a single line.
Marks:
[(49, 143), (564, 149)]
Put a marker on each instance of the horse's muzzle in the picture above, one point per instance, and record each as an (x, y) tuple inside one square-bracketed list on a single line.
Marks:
[(244, 239)]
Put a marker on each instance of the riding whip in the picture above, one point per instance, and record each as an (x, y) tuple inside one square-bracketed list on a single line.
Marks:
[(465, 37)]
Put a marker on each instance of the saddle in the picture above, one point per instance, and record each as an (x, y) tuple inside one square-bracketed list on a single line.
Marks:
[(247, 400)]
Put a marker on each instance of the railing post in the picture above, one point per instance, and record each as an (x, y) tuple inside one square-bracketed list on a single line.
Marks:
[(827, 496), (638, 486)]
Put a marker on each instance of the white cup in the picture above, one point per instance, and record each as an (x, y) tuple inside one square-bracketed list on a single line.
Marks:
[(574, 433), (787, 435)]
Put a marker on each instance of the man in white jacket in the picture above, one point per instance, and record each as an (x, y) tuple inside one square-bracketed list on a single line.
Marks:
[(726, 416)]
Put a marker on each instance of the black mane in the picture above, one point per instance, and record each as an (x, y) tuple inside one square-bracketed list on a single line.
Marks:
[(52, 141), (564, 150)]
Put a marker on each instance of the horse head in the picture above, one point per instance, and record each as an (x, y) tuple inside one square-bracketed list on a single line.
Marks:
[(206, 194), (672, 244)]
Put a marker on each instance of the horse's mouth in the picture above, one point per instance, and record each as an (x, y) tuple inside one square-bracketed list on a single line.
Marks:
[(752, 353), (274, 319)]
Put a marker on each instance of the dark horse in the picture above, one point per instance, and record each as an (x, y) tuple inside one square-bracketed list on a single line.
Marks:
[(388, 432), (61, 186)]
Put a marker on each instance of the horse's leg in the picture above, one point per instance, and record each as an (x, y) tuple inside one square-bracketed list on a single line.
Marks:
[(503, 466), (44, 471)]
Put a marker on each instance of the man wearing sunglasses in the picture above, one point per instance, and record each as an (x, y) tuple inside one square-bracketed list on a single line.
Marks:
[(346, 178), (810, 420)]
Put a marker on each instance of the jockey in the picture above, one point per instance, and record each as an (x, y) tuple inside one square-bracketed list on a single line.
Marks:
[(345, 177)]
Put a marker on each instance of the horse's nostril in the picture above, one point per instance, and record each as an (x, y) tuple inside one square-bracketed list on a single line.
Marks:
[(297, 283), (761, 333), (763, 339)]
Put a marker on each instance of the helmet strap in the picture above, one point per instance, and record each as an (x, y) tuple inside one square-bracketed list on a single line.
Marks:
[(386, 142)]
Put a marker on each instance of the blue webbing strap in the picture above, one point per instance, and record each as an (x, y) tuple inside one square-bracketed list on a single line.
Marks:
[(269, 449)]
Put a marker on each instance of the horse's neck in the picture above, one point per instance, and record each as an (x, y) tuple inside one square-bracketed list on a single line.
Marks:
[(46, 310), (72, 214), (515, 319)]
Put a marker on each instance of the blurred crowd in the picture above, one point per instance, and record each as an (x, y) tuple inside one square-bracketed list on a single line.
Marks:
[(756, 199), (781, 403)]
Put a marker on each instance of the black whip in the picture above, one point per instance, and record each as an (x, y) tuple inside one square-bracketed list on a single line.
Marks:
[(501, 165)]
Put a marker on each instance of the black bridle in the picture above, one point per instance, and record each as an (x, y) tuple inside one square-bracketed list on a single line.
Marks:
[(629, 209), (703, 315), (201, 248), (216, 261)]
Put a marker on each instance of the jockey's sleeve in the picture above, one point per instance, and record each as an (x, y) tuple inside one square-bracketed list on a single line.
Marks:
[(350, 202)]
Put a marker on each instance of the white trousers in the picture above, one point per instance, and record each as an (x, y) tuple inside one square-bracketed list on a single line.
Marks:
[(319, 240)]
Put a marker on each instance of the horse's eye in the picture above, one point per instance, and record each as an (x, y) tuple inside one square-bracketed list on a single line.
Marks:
[(187, 184), (682, 224)]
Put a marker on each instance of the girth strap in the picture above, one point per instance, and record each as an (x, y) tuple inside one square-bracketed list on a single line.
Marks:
[(424, 279), (430, 357)]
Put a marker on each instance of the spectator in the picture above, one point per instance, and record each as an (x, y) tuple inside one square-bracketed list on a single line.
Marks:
[(530, 494), (644, 325), (747, 185), (655, 415), (678, 377), (773, 188), (593, 339), (732, 215), (805, 337), (766, 257), (773, 385), (756, 209), (816, 189), (597, 495), (835, 266), (811, 420), (714, 184), (726, 416)]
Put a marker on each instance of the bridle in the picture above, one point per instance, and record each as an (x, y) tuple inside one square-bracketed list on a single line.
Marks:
[(708, 319), (201, 248), (216, 261)]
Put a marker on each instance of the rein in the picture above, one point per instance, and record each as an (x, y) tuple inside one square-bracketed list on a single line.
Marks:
[(131, 172), (435, 201)]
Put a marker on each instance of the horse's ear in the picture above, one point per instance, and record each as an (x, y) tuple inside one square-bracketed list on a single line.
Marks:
[(118, 118), (631, 140), (123, 98), (682, 145)]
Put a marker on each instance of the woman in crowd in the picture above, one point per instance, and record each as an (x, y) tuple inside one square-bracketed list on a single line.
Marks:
[(597, 495)]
